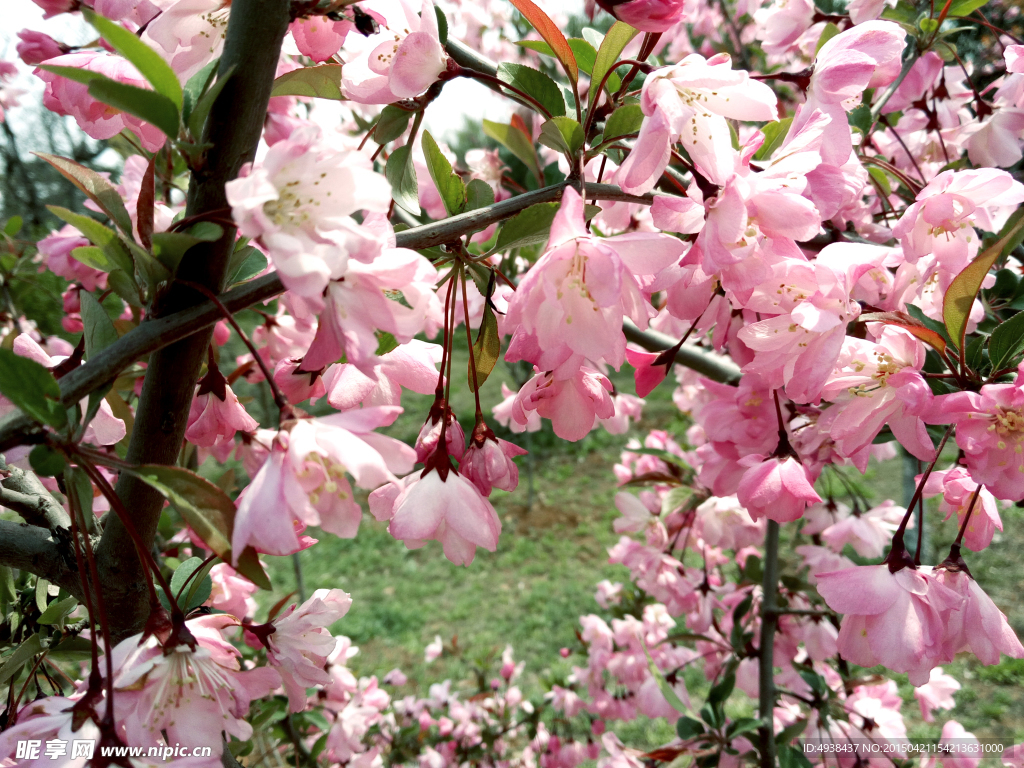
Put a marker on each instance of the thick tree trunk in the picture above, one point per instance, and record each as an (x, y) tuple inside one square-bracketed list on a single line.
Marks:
[(251, 51)]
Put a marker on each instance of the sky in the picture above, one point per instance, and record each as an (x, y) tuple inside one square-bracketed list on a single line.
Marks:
[(459, 100)]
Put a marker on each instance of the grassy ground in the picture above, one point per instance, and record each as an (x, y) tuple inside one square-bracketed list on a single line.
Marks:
[(531, 592)]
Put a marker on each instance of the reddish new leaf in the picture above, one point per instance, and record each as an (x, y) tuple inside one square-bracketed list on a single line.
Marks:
[(552, 36), (145, 204), (907, 323)]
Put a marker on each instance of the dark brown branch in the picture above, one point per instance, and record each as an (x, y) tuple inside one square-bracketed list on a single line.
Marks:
[(252, 48)]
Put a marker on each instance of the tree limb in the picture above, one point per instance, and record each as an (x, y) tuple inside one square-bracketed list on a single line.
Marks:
[(252, 48), (715, 367), (37, 550), (23, 492)]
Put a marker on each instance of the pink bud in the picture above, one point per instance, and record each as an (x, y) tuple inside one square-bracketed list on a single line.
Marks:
[(37, 47), (597, 727), (54, 7), (565, 652)]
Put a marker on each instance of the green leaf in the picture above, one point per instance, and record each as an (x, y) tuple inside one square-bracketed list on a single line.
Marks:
[(197, 119), (1014, 235), (170, 247), (830, 31), (623, 122), (552, 35), (539, 46), (722, 690), (250, 262), (31, 388), (666, 690), (585, 54), (320, 82), (535, 83), (963, 290), (401, 174), (45, 461), (743, 725), (711, 715), (104, 238), (687, 728), (965, 7), (791, 757), (616, 39), (99, 329), (774, 135), (486, 348), (529, 226), (7, 591), (790, 732), (516, 142), (478, 194), (123, 285), (386, 342), (206, 508), (190, 584), (21, 656), (562, 134), (151, 106), (196, 87), (442, 26), (150, 64), (860, 118), (449, 186), (56, 612), (95, 187), (1006, 342), (392, 123), (84, 76), (13, 226)]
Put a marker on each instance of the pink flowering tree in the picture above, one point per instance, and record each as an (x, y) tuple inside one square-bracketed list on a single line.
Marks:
[(812, 220)]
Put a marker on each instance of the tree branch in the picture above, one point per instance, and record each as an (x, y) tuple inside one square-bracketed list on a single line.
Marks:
[(715, 367), (23, 492), (252, 47), (37, 550)]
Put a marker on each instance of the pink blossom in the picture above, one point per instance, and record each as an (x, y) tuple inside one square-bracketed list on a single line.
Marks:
[(54, 7), (775, 488), (190, 34), (723, 522), (99, 120), (572, 404), (942, 219), (979, 626), (571, 304), (36, 47), (867, 532), (440, 416), (231, 593), (411, 366), (799, 346), (447, 509), (215, 412), (503, 413), (964, 749), (937, 693), (358, 304), (297, 384), (318, 37), (303, 479), (189, 694), (670, 100), (878, 384), (105, 428), (300, 643), (433, 650), (399, 62), (46, 719), (489, 463), (990, 431), (647, 15), (298, 202), (957, 489), (57, 248), (895, 619)]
